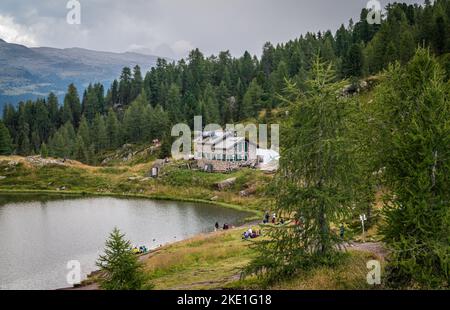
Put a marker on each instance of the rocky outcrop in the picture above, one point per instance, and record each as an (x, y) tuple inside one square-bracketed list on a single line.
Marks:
[(361, 86), (225, 184), (128, 153), (38, 161)]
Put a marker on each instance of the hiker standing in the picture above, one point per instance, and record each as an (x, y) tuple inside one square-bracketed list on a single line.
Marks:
[(342, 231)]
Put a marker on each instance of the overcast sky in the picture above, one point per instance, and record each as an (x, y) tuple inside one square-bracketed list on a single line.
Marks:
[(171, 28)]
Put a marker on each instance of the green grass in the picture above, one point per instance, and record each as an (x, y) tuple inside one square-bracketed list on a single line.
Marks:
[(215, 261), (176, 183), (204, 262)]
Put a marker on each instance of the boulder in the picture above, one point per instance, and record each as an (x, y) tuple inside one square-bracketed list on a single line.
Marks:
[(225, 184), (248, 192)]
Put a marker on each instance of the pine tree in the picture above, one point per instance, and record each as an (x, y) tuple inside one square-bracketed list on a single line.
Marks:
[(121, 269), (166, 147), (133, 120), (174, 104), (72, 106), (24, 147), (353, 62), (91, 103), (35, 142), (66, 115), (57, 146), (69, 136), (413, 113), (44, 150), (252, 101), (211, 113), (112, 129), (99, 136), (81, 153), (315, 182), (5, 140), (125, 87), (84, 131), (114, 94), (136, 83), (53, 113)]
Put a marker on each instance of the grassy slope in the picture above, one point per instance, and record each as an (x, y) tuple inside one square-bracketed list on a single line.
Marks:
[(215, 261), (177, 182)]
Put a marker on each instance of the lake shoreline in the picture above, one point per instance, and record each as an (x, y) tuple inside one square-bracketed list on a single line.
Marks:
[(255, 213), (252, 217), (212, 234)]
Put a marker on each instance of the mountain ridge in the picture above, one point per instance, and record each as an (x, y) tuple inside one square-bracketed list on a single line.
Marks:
[(32, 72)]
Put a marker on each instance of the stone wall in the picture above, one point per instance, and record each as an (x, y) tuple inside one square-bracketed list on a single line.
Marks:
[(224, 166)]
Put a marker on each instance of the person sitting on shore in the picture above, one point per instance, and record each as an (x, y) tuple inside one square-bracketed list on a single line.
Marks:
[(226, 227), (245, 235), (255, 234)]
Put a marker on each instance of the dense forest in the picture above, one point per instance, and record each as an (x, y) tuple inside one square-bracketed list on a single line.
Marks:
[(223, 89)]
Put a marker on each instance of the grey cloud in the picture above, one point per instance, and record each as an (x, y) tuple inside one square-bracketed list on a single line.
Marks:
[(170, 27)]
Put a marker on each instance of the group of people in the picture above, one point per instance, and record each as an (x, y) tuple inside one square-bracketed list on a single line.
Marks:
[(267, 219), (250, 234), (225, 226), (141, 250)]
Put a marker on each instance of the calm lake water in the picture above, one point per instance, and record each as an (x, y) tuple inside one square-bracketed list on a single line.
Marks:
[(39, 237)]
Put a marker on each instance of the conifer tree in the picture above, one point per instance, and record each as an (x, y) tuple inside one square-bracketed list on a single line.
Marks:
[(5, 140), (72, 106), (315, 182), (24, 147), (99, 136), (252, 101), (44, 150), (413, 113), (136, 83), (84, 131), (57, 146), (81, 152), (121, 269), (125, 86), (112, 129)]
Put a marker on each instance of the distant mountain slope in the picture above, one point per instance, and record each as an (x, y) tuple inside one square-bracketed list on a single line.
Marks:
[(27, 73)]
